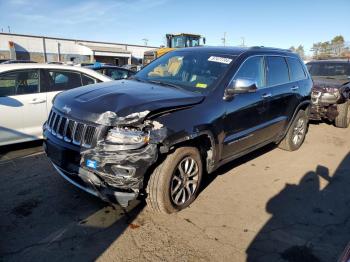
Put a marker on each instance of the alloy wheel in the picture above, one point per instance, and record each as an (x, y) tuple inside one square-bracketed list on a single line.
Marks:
[(299, 131), (184, 181)]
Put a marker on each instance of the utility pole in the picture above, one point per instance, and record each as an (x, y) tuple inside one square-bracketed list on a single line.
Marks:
[(224, 39), (242, 38), (9, 28), (145, 40)]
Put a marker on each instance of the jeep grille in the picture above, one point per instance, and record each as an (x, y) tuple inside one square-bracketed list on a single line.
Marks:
[(70, 130)]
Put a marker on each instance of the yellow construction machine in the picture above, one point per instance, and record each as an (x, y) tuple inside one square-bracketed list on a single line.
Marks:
[(173, 41)]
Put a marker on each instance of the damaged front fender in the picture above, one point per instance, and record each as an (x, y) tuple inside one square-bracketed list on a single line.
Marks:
[(121, 165)]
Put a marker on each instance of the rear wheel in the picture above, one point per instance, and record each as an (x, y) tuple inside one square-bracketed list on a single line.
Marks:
[(296, 133), (343, 118), (174, 183)]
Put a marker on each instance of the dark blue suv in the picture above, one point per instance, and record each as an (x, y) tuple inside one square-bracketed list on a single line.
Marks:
[(178, 119)]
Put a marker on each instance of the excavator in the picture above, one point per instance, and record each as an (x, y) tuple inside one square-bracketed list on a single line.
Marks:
[(173, 41)]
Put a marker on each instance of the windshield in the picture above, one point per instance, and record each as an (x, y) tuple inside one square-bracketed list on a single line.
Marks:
[(184, 41), (192, 71), (334, 70)]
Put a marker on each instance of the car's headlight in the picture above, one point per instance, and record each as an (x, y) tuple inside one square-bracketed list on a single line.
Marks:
[(127, 138)]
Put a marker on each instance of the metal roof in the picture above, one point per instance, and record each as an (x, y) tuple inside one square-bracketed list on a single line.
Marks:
[(108, 49)]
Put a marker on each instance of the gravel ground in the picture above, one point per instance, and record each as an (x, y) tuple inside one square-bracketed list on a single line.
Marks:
[(271, 205)]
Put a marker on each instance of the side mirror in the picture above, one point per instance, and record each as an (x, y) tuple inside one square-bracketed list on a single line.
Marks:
[(240, 86)]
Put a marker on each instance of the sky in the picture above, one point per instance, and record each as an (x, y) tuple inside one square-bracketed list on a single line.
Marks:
[(275, 23)]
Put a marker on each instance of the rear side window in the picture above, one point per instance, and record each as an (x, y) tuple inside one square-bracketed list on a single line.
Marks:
[(277, 70), (296, 69), (87, 80), (116, 73), (253, 69), (19, 83), (63, 80)]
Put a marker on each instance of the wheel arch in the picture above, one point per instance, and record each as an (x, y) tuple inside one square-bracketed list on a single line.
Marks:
[(304, 105), (205, 142)]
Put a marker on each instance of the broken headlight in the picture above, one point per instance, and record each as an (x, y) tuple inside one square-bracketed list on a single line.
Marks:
[(127, 138)]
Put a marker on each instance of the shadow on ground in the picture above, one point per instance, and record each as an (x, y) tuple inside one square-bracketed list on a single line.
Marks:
[(310, 221), (44, 218)]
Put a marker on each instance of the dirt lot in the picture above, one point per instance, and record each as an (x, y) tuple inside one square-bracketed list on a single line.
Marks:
[(269, 206)]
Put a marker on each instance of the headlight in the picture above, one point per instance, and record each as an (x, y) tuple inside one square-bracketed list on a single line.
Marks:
[(127, 138)]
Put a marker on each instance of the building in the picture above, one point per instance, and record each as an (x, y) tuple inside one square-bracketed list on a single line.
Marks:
[(50, 49)]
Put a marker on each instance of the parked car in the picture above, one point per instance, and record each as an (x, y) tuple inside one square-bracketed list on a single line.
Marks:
[(331, 91), (18, 62), (26, 93), (114, 72), (178, 119), (134, 68)]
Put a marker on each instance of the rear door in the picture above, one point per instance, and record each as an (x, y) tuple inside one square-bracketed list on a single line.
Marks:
[(282, 99), (60, 80), (22, 106)]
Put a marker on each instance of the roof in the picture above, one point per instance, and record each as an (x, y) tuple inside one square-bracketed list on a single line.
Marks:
[(99, 66), (19, 66), (106, 49), (231, 50), (338, 60), (76, 40)]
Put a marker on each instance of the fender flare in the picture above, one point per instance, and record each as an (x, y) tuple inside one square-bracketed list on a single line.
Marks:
[(306, 103), (212, 160)]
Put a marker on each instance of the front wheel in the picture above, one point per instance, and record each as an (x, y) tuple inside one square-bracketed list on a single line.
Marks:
[(343, 118), (296, 133), (175, 182)]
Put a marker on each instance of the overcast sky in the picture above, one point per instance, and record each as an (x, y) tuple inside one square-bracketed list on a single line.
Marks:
[(269, 23)]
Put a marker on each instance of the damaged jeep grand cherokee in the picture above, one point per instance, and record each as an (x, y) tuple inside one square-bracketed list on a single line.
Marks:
[(331, 92), (181, 117)]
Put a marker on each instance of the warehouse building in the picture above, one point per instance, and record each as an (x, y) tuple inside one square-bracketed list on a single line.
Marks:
[(50, 49)]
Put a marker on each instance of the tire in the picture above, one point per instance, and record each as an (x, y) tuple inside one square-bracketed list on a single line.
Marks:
[(343, 118), (297, 129), (167, 178)]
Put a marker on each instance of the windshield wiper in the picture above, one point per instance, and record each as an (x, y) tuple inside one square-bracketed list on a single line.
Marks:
[(164, 84)]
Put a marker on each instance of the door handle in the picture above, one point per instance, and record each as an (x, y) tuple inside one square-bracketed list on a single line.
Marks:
[(37, 101), (267, 95), (294, 88)]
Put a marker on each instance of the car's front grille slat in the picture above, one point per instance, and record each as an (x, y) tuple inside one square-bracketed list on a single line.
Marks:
[(70, 130)]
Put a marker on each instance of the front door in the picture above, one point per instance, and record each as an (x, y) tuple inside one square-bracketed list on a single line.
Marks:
[(246, 113)]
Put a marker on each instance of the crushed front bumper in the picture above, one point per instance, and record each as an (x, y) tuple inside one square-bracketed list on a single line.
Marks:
[(86, 181), (117, 176), (324, 105)]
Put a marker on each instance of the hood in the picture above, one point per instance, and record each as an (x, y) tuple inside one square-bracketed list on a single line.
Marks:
[(322, 82), (123, 97)]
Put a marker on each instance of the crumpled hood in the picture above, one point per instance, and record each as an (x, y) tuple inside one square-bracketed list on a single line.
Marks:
[(123, 97), (321, 82)]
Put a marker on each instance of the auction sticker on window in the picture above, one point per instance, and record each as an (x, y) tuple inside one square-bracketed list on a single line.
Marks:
[(219, 59)]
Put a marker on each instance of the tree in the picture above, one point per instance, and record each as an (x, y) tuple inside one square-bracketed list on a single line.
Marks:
[(300, 51), (334, 48), (337, 45)]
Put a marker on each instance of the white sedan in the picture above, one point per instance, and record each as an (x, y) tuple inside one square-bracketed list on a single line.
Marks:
[(26, 93)]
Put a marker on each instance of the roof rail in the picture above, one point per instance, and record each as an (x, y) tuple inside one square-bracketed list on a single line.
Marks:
[(270, 48)]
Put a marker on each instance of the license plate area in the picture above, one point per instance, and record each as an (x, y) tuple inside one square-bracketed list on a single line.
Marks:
[(62, 157)]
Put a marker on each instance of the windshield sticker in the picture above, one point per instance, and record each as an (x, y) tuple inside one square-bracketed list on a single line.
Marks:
[(218, 59), (201, 85)]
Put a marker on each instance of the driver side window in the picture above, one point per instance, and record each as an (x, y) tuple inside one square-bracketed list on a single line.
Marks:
[(253, 69)]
